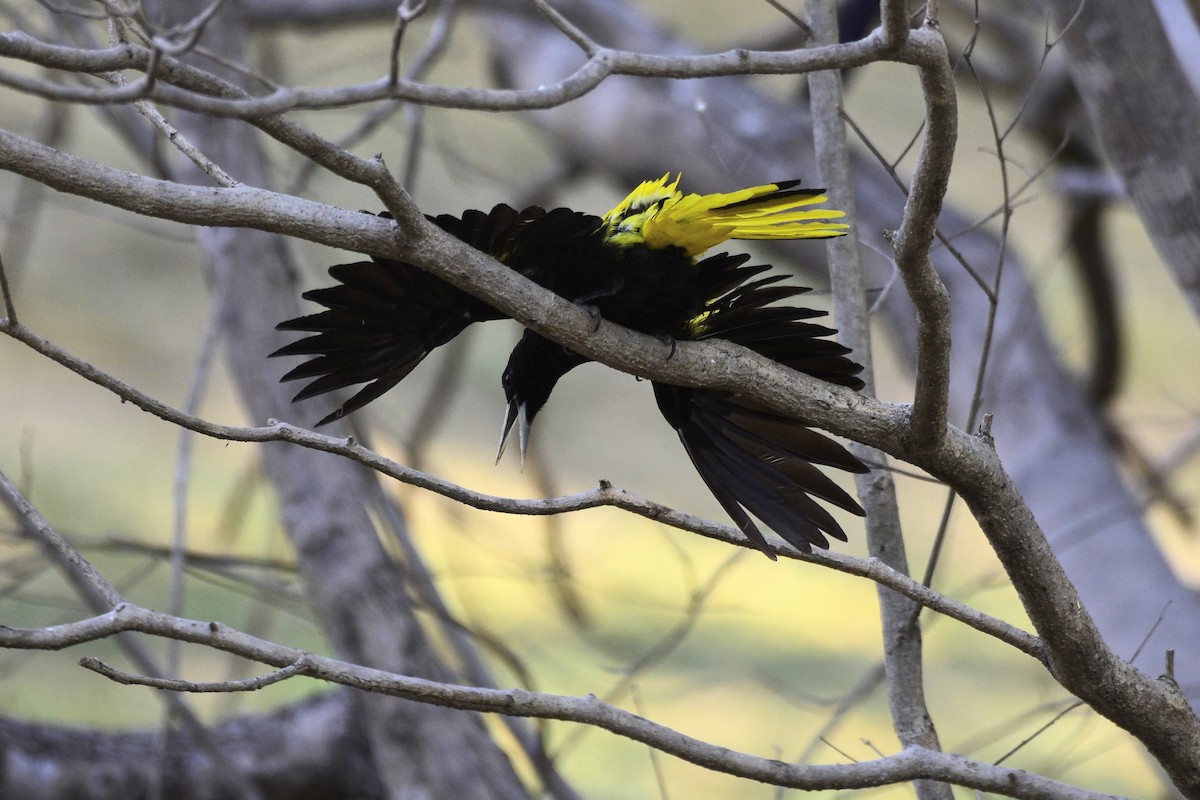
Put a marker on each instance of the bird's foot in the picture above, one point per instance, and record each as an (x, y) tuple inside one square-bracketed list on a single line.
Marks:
[(594, 313)]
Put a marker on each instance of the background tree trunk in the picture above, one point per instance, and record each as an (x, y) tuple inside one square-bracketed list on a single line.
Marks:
[(356, 588)]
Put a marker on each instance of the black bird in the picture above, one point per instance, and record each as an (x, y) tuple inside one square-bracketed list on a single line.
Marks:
[(636, 266)]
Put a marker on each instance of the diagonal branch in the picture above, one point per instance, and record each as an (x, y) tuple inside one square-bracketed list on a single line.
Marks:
[(606, 495), (82, 572)]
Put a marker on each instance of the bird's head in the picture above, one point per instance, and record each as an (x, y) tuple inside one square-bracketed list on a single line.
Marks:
[(533, 370), (625, 223)]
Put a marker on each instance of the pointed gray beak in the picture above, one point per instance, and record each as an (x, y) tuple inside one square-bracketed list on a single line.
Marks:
[(514, 413)]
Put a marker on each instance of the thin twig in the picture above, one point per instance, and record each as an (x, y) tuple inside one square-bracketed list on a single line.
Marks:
[(10, 309), (406, 12), (192, 687), (79, 567), (689, 617), (589, 47)]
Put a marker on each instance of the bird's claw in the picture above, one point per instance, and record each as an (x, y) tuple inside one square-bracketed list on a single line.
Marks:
[(594, 313)]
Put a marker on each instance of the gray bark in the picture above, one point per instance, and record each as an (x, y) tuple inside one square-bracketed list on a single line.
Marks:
[(1146, 115), (314, 748)]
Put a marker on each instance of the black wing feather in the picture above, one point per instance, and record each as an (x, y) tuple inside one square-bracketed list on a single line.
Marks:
[(753, 460), (383, 317)]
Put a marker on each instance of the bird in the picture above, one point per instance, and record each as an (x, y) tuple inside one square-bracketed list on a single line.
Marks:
[(639, 265)]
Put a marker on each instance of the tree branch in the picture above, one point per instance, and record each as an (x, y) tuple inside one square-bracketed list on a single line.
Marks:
[(600, 65), (910, 764), (913, 240), (604, 496), (902, 641)]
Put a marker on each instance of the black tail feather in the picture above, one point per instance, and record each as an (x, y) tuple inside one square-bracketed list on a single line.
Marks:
[(761, 464)]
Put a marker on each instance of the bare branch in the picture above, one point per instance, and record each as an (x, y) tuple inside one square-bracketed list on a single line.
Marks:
[(893, 19), (602, 64), (912, 241), (299, 668), (406, 12), (605, 495), (589, 47), (901, 632), (316, 742), (76, 564), (910, 764)]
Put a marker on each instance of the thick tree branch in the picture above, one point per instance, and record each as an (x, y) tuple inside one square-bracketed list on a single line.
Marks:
[(315, 747)]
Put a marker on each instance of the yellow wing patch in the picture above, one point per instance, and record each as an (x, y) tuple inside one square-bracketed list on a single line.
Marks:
[(658, 214)]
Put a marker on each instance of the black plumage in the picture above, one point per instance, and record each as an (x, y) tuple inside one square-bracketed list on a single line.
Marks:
[(636, 267), (751, 459)]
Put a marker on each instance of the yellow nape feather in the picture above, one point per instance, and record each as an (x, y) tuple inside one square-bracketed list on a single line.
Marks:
[(658, 215)]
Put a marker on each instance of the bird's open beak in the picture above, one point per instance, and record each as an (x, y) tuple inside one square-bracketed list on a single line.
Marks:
[(515, 413)]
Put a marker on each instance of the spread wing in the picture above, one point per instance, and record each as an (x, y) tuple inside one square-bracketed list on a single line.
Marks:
[(756, 462), (383, 317)]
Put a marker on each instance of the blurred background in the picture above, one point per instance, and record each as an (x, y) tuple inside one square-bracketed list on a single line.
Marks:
[(777, 659)]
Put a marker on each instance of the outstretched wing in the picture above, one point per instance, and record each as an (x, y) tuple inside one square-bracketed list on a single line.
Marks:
[(756, 462), (383, 317)]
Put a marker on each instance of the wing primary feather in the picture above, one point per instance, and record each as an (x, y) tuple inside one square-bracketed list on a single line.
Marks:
[(383, 317)]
